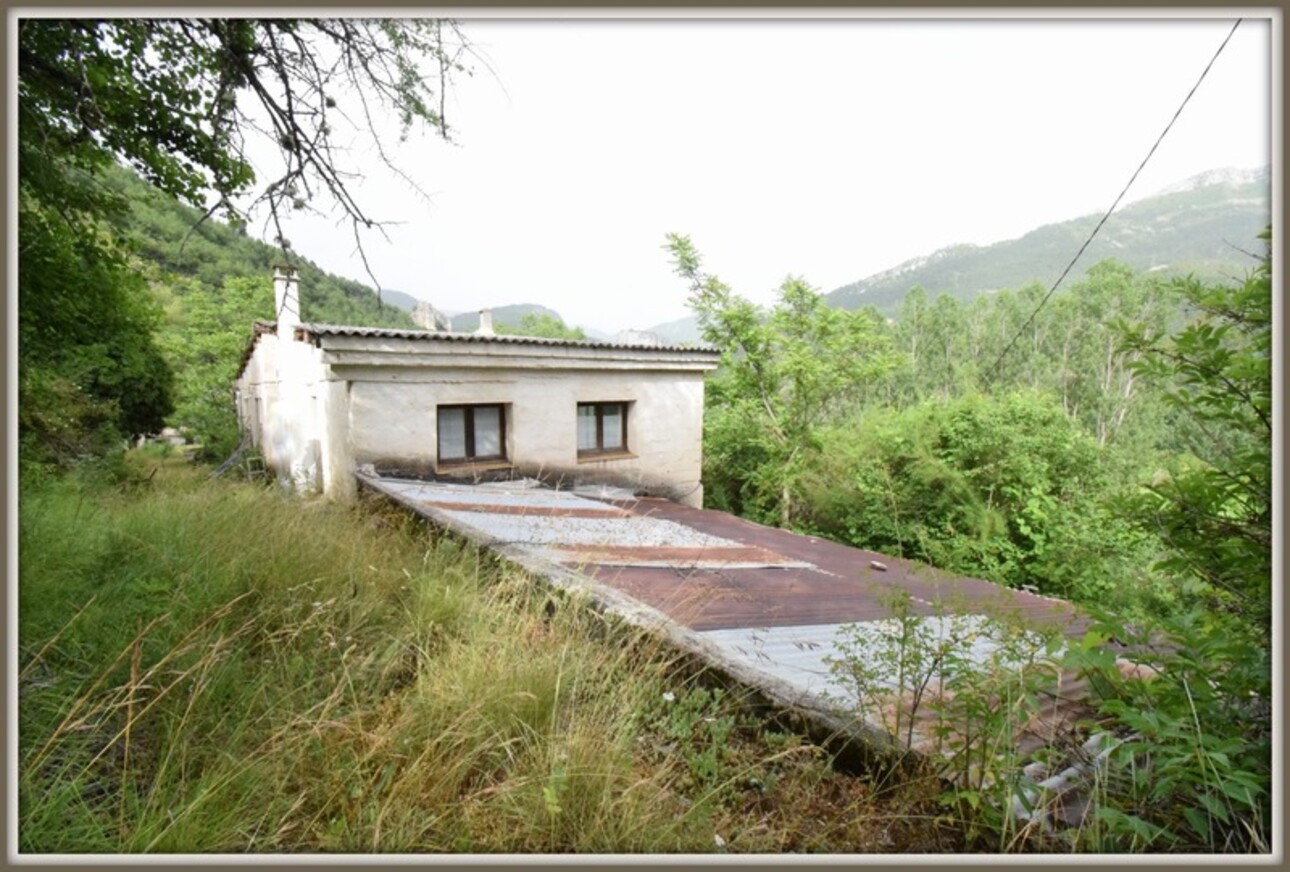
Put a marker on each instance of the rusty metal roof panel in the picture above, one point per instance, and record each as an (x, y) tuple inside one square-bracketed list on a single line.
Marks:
[(771, 607), (709, 599), (710, 569), (847, 565), (726, 556)]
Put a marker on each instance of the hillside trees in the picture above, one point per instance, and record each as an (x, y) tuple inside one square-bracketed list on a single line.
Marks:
[(1003, 486), (205, 344), (543, 326), (162, 96), (784, 373), (90, 370), (1071, 349), (1096, 373), (934, 336), (1213, 509)]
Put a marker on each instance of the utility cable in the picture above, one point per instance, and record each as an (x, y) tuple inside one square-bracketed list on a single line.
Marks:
[(994, 369)]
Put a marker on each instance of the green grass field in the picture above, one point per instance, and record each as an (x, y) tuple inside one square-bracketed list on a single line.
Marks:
[(212, 666)]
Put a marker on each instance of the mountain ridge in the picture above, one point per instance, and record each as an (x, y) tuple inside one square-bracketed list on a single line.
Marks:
[(1196, 225), (1204, 225)]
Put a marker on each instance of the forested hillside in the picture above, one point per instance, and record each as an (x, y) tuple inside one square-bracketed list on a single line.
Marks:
[(1198, 228), (170, 238), (1111, 447), (212, 282)]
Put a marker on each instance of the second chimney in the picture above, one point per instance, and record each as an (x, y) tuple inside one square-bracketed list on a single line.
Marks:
[(485, 323), (286, 300)]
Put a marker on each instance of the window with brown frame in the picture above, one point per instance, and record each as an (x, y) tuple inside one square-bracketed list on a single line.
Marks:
[(469, 433), (602, 428)]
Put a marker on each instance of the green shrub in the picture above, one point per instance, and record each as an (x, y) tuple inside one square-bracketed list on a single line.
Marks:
[(1006, 488), (1195, 770)]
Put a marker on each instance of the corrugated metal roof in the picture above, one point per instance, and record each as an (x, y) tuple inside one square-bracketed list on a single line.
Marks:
[(771, 608), (714, 570), (320, 330), (316, 331)]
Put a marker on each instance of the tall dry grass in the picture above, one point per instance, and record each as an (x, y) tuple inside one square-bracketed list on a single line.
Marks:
[(212, 666)]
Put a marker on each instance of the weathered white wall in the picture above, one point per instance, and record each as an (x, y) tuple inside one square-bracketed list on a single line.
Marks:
[(319, 413), (298, 416), (393, 422)]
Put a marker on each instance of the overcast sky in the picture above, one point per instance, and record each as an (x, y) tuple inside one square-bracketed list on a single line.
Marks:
[(826, 149)]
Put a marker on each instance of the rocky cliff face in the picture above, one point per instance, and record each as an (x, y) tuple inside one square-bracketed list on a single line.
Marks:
[(428, 317)]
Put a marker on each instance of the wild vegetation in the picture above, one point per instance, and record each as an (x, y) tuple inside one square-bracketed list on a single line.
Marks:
[(1112, 448), (206, 665), (212, 665), (92, 371)]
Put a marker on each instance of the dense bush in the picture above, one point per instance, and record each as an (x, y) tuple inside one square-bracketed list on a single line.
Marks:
[(1002, 487), (91, 371)]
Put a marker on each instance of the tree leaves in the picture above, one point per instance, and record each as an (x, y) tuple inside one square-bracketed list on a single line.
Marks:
[(161, 96), (784, 373), (1215, 516), (91, 371)]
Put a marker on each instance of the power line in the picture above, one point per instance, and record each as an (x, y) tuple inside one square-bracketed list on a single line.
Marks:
[(994, 369)]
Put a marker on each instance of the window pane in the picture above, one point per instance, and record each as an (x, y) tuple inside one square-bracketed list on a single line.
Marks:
[(614, 420), (452, 434), (488, 431), (586, 427)]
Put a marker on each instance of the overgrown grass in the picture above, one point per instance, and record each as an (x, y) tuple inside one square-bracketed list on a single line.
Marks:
[(211, 666)]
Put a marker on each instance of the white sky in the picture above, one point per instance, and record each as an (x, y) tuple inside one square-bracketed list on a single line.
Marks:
[(827, 149)]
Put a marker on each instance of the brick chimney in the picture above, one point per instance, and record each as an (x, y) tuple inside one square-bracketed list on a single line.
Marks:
[(286, 300), (485, 323)]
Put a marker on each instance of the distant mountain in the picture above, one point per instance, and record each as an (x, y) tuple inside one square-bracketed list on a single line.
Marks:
[(597, 335), (399, 300), (678, 332), (1232, 177), (503, 316), (1198, 226)]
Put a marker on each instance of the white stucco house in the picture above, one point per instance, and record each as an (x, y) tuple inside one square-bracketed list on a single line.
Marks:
[(323, 401)]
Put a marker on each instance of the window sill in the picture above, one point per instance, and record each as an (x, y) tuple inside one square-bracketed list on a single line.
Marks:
[(597, 456), (450, 466)]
